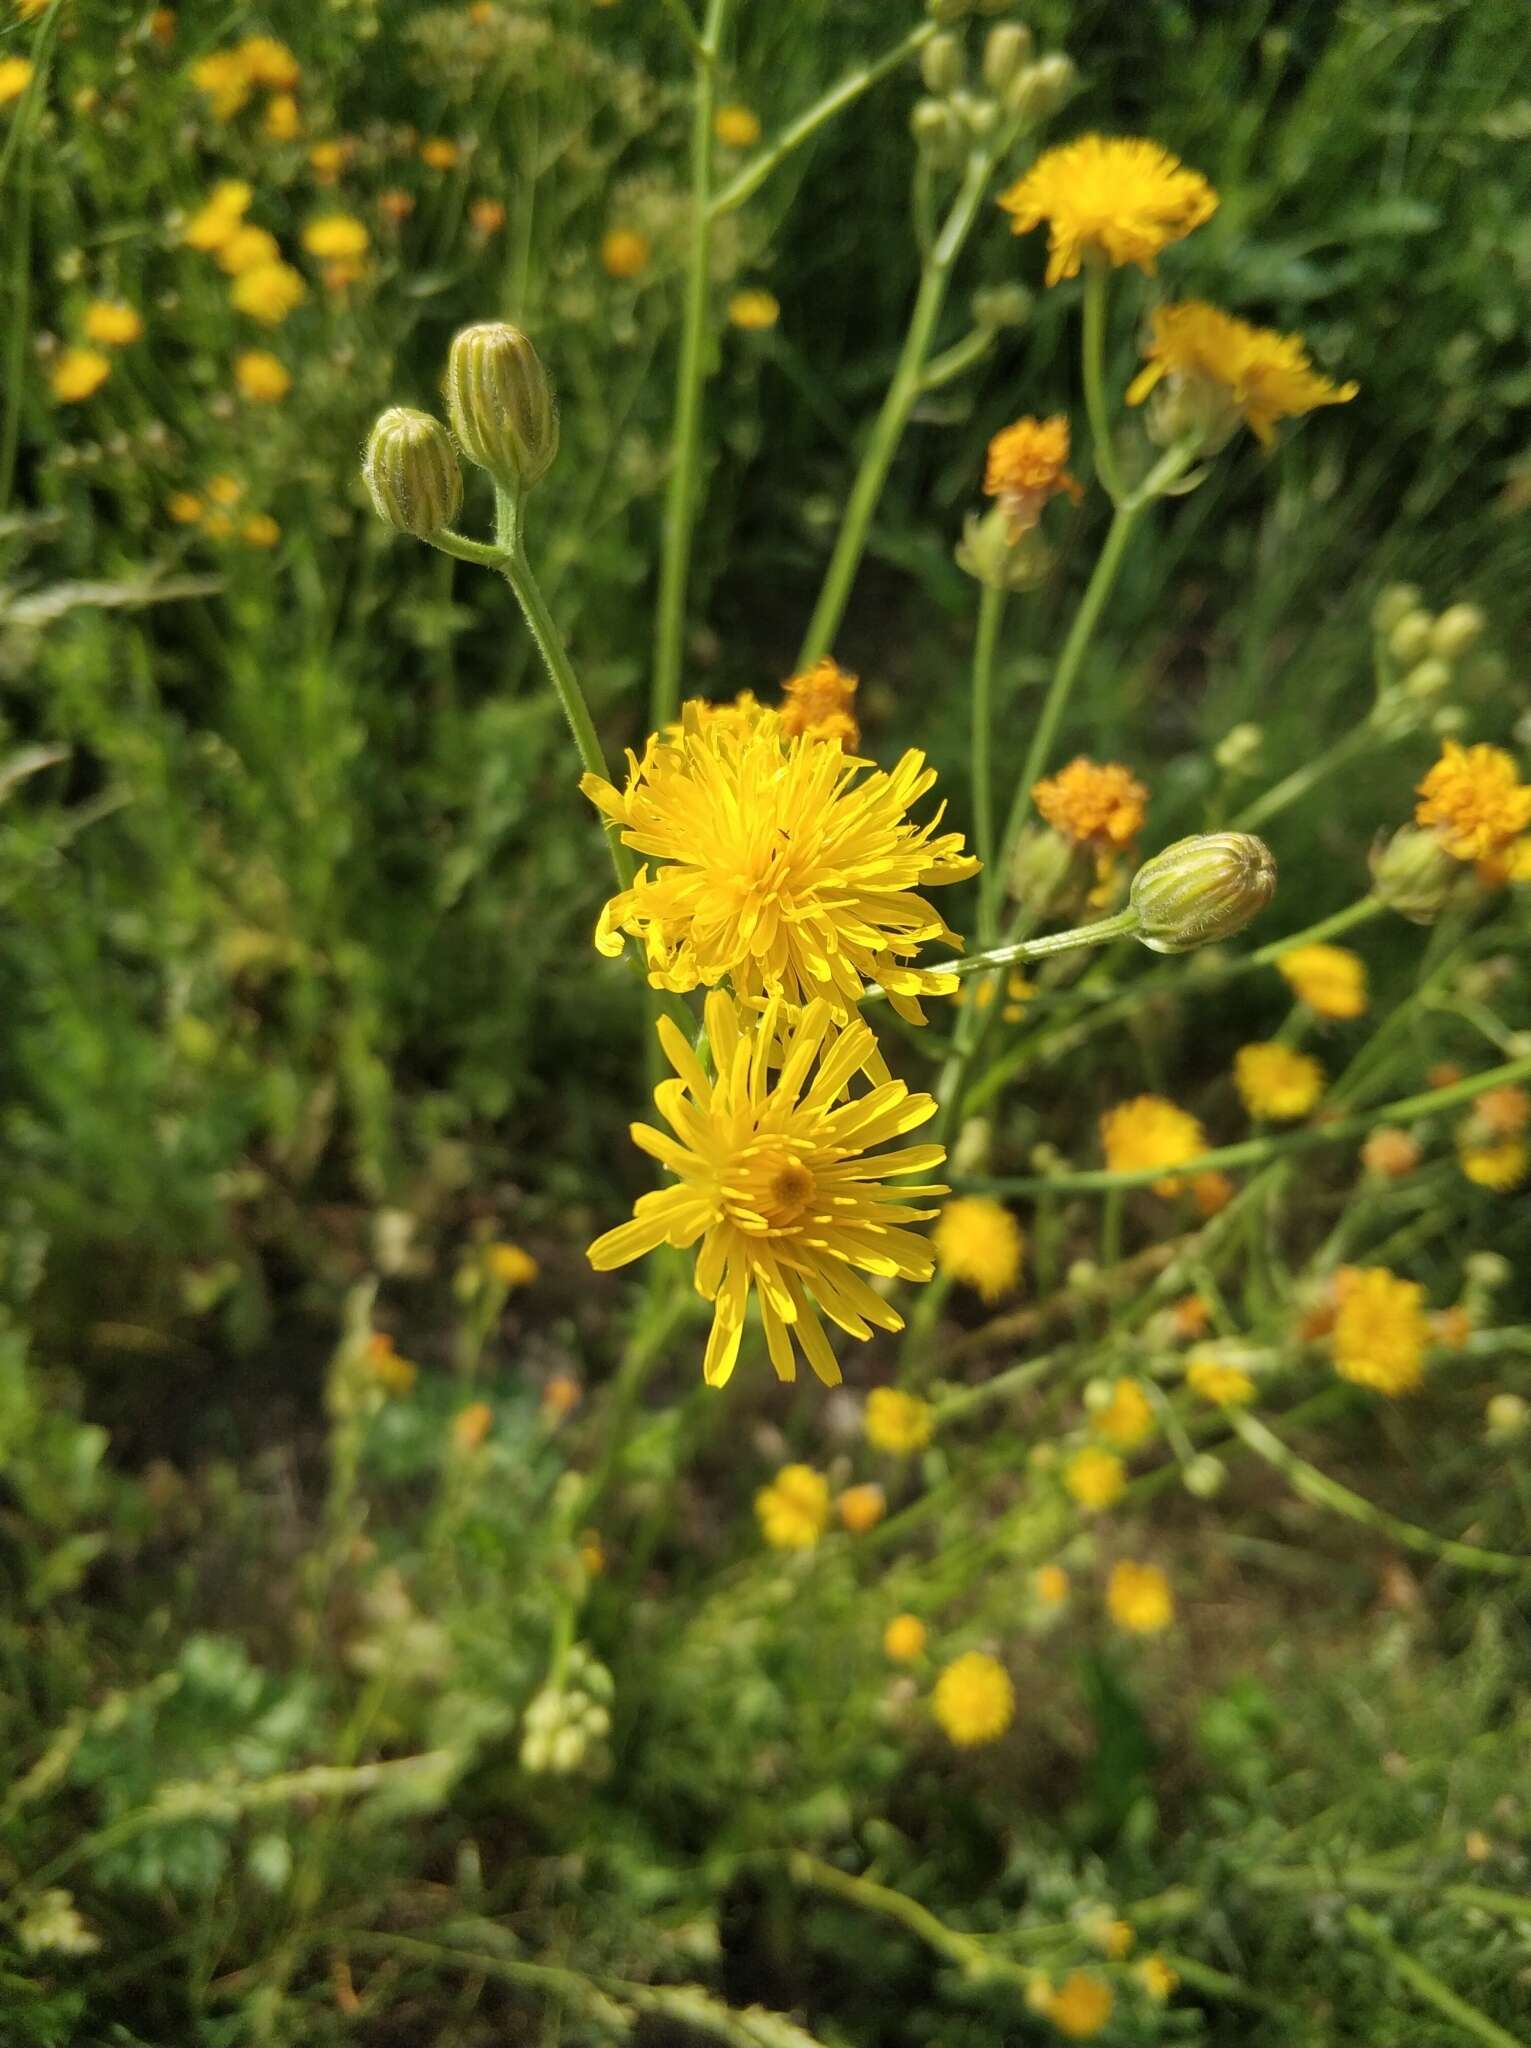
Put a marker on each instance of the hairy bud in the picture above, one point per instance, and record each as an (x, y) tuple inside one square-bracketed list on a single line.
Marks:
[(501, 404), (412, 473), (1414, 875), (1201, 890)]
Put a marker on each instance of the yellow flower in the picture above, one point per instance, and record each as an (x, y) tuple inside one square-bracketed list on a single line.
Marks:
[(184, 507), (974, 1700), (395, 1375), (111, 324), (219, 217), (1094, 803), (1474, 798), (1249, 373), (625, 253), (1138, 1598), (471, 1425), (1148, 1131), (786, 866), (1331, 980), (1224, 1385), (161, 22), (1050, 1583), (1380, 1329), (487, 216), (1389, 1153), (260, 530), (1025, 468), (898, 1422), (218, 526), (79, 373), (225, 490), (1114, 1938), (736, 127), (283, 120), (979, 1241), (903, 1640), (510, 1266), (1127, 1419), (224, 77), (15, 77), (1120, 199), (268, 62), (818, 704), (1095, 1478), (439, 153), (592, 1554), (1156, 1978), (560, 1397), (1274, 1081), (269, 293), (1080, 2006), (861, 1508), (247, 248), (262, 377), (794, 1508), (1500, 1165), (339, 237), (754, 309), (327, 160), (773, 1178)]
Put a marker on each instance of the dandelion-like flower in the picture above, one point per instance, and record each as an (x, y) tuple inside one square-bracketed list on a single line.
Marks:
[(1080, 2006), (1380, 1329), (898, 1422), (262, 377), (1231, 371), (268, 293), (794, 1509), (785, 866), (903, 1640), (1122, 199), (979, 1241), (1138, 1598), (1099, 804), (974, 1700), (773, 1178), (1475, 800), (1127, 1418), (1331, 980), (1498, 1164), (625, 253), (1025, 468), (509, 1266), (1050, 1584), (1094, 1478), (112, 324), (79, 373), (1275, 1081), (819, 704), (754, 310), (861, 1508), (1390, 1154), (1150, 1131), (1217, 1381)]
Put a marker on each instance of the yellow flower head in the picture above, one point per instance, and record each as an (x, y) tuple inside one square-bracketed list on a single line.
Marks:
[(283, 121), (336, 237), (1080, 2006), (1025, 468), (1475, 800), (794, 1508), (736, 127), (1224, 1385), (1501, 1112), (111, 324), (79, 373), (1249, 373), (819, 704), (224, 78), (1122, 199), (268, 293), (625, 253), (1500, 1165), (772, 1176), (15, 77), (1156, 1978), (1274, 1081), (1050, 1584), (783, 865), (260, 530), (225, 490), (471, 1426), (861, 1508), (487, 216), (1127, 1418), (328, 159), (898, 1422), (754, 309), (974, 1700), (246, 247), (395, 1375), (1094, 803), (1380, 1329), (1138, 1598), (1331, 980), (268, 63), (184, 507), (1149, 1131), (262, 377), (509, 1266), (439, 153), (903, 1640), (219, 217), (1096, 1479), (560, 1397), (979, 1241)]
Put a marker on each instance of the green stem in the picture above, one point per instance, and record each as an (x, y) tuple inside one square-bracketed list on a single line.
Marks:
[(691, 375), (645, 1348), (967, 1951), (897, 405), (991, 612), (962, 355), (1426, 1983), (1096, 284), (1301, 780)]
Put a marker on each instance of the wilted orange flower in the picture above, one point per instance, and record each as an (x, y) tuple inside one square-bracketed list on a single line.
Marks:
[(439, 153), (1094, 803), (819, 704), (1390, 1153), (471, 1425), (1248, 373), (1025, 468), (487, 216)]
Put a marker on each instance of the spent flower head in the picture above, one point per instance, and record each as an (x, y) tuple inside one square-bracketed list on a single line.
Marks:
[(1213, 371), (1099, 804)]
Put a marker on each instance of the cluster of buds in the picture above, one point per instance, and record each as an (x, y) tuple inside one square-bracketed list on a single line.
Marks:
[(1427, 661), (564, 1728), (1013, 86), (504, 420)]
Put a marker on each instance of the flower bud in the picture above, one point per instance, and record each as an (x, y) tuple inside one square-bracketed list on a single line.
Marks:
[(501, 404), (1409, 640), (1040, 869), (1507, 1415), (1001, 305), (1394, 603), (1039, 90), (1427, 679), (937, 133), (1006, 48), (1413, 875), (1202, 889), (989, 552), (1457, 631), (942, 65), (978, 116), (1240, 749), (1204, 1475), (412, 473)]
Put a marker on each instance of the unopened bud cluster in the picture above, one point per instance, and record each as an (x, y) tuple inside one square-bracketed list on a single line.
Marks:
[(1012, 85), (564, 1728), (1423, 656), (1202, 889)]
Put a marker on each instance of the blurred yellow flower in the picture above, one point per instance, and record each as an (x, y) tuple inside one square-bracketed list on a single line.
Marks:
[(625, 253), (1331, 980), (903, 1640), (754, 309), (15, 77), (898, 1422), (794, 1508), (111, 324), (1147, 1132), (260, 530), (282, 121), (1050, 1584), (79, 373), (861, 1508), (1224, 1385), (1127, 1419), (974, 1699), (1138, 1598), (218, 526), (337, 237), (1276, 1081), (262, 377), (1390, 1153), (1500, 1165), (439, 153), (510, 1265), (1380, 1329), (225, 490), (327, 160), (247, 248), (184, 507), (471, 1425), (1025, 467), (818, 703), (224, 78), (1094, 803), (1156, 1978), (219, 217), (1117, 199), (1248, 373), (1080, 2006), (269, 293), (1475, 800), (773, 1178), (268, 63), (395, 1375), (487, 216), (978, 1241), (736, 127), (560, 1397), (1096, 1479)]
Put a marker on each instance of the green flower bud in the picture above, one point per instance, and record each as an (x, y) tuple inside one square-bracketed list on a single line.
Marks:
[(1409, 640), (1001, 305), (988, 552), (942, 64), (1457, 631), (1040, 90), (937, 133), (1006, 48), (1204, 1475), (1240, 749), (979, 116), (1202, 889), (1041, 869), (1507, 1416), (1427, 679), (1413, 875), (412, 473), (501, 404), (1394, 603)]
